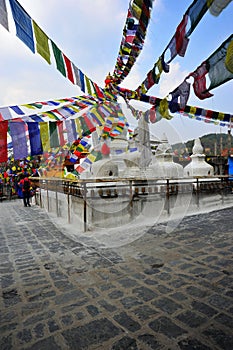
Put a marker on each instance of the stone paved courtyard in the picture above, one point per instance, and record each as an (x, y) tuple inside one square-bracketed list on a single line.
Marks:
[(162, 291)]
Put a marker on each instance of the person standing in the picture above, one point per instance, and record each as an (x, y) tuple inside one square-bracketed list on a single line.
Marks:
[(26, 189)]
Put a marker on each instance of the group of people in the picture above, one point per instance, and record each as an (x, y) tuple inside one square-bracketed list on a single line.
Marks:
[(14, 179)]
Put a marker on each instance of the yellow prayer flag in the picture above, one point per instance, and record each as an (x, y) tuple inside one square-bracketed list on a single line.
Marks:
[(29, 106), (159, 65), (163, 109), (91, 157), (42, 43), (229, 57), (136, 11), (221, 116), (192, 110), (78, 127), (88, 85), (44, 135), (74, 108)]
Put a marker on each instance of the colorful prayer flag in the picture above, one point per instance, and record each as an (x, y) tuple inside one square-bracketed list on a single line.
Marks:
[(19, 141), (23, 24), (59, 59), (34, 138), (44, 134), (42, 42), (69, 71), (3, 141), (54, 142)]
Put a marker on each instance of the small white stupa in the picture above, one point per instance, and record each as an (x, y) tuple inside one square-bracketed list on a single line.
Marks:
[(198, 166), (162, 162)]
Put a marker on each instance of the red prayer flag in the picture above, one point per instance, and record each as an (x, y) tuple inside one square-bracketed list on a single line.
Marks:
[(69, 71), (98, 91), (60, 131), (3, 141)]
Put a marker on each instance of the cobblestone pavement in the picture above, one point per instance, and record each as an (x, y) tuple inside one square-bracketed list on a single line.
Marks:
[(163, 291)]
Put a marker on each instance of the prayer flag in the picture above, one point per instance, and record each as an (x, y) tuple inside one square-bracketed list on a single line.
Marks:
[(42, 44), (19, 141), (59, 59), (60, 131), (69, 71), (96, 116), (71, 131), (44, 135), (78, 127), (5, 113), (54, 142), (229, 57), (218, 72), (82, 82), (88, 85), (73, 158), (50, 114), (217, 6), (17, 110), (3, 141), (80, 169), (3, 15), (34, 138), (79, 77), (23, 24)]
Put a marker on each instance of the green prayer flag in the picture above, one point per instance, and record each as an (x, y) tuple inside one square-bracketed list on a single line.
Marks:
[(59, 59), (54, 141)]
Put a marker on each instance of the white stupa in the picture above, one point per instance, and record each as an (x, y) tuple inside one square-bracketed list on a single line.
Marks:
[(198, 166), (162, 162)]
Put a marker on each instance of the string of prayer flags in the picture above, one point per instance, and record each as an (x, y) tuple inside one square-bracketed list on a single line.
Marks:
[(195, 112), (216, 66), (3, 15), (178, 43), (134, 33), (27, 30)]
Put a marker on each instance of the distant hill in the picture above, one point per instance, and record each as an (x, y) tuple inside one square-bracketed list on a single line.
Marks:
[(213, 144)]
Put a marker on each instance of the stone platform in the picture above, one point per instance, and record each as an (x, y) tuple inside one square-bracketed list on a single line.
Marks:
[(162, 291)]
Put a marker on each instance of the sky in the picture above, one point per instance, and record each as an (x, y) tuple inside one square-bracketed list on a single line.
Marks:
[(89, 33)]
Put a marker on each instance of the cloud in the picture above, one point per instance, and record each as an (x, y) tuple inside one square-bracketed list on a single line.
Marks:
[(170, 81)]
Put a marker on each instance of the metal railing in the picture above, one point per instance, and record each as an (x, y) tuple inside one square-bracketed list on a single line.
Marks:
[(131, 188), (5, 191)]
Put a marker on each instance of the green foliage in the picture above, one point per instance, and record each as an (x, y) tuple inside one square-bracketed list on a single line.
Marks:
[(210, 143)]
